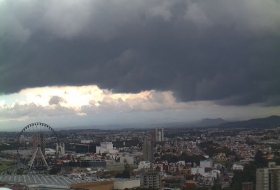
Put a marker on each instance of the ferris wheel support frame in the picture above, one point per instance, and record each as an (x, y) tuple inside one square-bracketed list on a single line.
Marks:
[(38, 151)]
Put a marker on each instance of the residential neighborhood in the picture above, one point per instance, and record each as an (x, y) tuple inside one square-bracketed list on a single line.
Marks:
[(154, 158)]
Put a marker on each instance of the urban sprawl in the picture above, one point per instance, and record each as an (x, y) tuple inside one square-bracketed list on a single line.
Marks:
[(156, 158)]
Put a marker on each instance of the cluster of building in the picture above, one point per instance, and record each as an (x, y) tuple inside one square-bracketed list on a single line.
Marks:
[(99, 159)]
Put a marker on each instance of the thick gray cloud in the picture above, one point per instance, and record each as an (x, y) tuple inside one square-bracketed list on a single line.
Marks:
[(32, 110), (55, 100), (223, 51)]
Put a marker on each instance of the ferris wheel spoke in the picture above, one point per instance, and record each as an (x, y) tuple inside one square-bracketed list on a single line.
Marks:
[(32, 143)]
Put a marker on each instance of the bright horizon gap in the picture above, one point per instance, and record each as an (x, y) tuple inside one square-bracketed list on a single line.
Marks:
[(90, 105)]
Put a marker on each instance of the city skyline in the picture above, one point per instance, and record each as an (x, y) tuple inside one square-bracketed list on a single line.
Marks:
[(72, 63)]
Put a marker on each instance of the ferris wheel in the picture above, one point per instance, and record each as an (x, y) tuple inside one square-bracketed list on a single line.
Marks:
[(37, 146)]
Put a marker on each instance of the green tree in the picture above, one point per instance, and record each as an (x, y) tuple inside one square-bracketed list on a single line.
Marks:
[(247, 175), (260, 160), (124, 174)]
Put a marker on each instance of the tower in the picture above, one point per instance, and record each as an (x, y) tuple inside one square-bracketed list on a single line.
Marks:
[(148, 151), (159, 134), (268, 178)]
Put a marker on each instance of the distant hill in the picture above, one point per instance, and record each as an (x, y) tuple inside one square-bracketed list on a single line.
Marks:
[(260, 122), (210, 122), (218, 122)]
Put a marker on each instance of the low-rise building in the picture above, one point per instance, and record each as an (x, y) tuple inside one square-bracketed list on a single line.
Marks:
[(206, 163), (127, 159), (197, 170), (106, 147), (144, 165), (150, 179), (237, 167)]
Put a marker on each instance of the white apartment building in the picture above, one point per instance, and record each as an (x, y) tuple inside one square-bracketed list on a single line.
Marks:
[(268, 178), (60, 148), (127, 159), (237, 167), (144, 165), (106, 147), (159, 134)]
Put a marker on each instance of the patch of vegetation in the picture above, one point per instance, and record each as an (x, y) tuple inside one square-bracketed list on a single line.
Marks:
[(5, 165), (124, 174), (193, 159), (211, 148), (224, 163), (7, 147)]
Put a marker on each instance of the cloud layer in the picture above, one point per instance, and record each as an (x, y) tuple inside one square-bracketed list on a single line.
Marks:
[(85, 100), (221, 51), (91, 106)]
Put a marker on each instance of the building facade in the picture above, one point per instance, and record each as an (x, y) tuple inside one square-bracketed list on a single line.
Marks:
[(150, 179), (106, 147), (148, 151), (159, 134), (268, 178), (127, 159), (206, 163), (60, 148), (144, 165)]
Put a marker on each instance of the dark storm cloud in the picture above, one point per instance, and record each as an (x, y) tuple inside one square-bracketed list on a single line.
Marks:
[(223, 51)]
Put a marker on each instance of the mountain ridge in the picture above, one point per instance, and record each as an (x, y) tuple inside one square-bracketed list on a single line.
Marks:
[(273, 120), (210, 122)]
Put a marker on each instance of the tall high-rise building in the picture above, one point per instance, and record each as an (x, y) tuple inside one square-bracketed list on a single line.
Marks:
[(148, 151), (268, 178), (159, 134)]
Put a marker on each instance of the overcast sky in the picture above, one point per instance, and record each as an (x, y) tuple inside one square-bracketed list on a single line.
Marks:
[(104, 62)]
